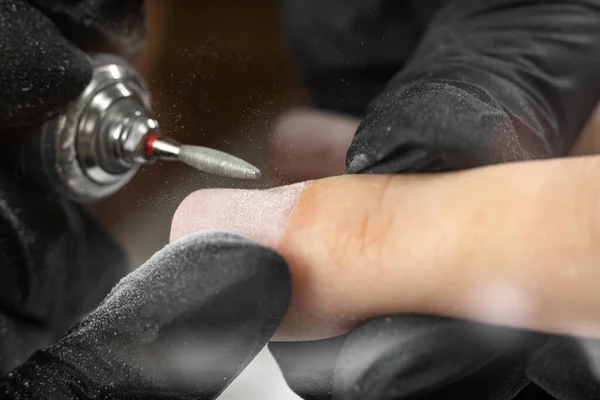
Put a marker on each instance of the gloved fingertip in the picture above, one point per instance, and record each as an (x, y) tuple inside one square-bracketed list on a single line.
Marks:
[(211, 264), (99, 26), (357, 164)]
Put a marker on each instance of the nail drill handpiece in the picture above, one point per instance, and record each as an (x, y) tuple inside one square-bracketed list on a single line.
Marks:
[(96, 147)]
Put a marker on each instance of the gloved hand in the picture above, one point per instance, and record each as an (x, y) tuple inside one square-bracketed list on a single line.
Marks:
[(449, 85), (44, 65), (406, 357), (182, 326), (57, 262), (56, 265)]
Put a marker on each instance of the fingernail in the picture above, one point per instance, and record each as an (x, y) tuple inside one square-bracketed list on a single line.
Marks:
[(262, 215)]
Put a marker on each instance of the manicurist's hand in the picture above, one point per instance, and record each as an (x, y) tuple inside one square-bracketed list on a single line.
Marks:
[(45, 64), (181, 326)]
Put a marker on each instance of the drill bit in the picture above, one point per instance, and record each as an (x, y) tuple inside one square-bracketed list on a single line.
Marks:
[(207, 160), (217, 163)]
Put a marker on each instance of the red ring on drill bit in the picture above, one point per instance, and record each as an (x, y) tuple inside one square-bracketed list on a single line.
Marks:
[(149, 147)]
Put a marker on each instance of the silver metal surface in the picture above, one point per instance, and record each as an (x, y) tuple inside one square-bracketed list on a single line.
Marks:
[(166, 149), (73, 138)]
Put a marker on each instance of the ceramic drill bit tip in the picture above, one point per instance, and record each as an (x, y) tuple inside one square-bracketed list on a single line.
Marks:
[(202, 158), (217, 162)]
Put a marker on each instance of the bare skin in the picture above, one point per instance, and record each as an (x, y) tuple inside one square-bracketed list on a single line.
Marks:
[(515, 244)]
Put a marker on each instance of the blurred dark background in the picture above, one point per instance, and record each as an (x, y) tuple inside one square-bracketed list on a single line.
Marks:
[(219, 73)]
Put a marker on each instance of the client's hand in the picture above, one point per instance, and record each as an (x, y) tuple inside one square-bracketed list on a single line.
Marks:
[(513, 244)]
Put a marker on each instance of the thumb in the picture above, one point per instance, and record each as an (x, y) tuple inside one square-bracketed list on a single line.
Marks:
[(182, 326), (512, 244)]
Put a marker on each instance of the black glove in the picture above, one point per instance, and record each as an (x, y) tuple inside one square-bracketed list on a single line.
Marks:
[(480, 82), (42, 69), (406, 357), (56, 262), (182, 326), (56, 265)]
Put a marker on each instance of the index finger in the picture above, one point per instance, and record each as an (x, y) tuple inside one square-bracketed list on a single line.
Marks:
[(513, 244)]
